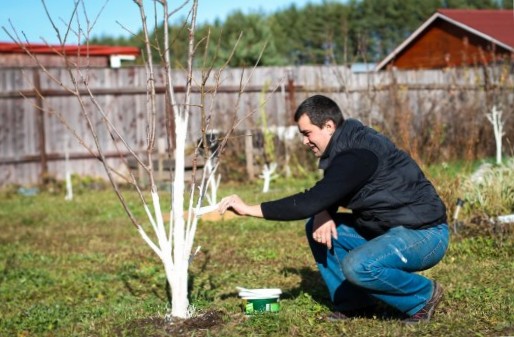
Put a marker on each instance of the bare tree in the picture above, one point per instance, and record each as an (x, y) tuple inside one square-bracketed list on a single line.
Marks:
[(172, 241)]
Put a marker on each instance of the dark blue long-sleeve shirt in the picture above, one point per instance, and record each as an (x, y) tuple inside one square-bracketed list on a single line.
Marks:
[(348, 171)]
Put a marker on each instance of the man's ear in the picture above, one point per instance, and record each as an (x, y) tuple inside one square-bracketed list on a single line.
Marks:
[(330, 125)]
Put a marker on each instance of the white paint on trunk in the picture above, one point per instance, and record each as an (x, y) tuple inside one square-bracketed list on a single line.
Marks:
[(206, 209), (268, 175), (495, 117), (178, 280), (213, 182)]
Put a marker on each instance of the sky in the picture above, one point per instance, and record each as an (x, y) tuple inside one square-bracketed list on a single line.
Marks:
[(117, 16)]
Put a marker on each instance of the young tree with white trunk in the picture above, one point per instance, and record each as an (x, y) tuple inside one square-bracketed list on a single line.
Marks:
[(172, 241), (270, 165), (495, 117)]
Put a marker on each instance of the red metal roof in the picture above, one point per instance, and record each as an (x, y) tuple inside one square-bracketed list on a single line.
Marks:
[(82, 50), (497, 24)]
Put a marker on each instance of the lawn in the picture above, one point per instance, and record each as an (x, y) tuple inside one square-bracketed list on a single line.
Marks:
[(79, 268)]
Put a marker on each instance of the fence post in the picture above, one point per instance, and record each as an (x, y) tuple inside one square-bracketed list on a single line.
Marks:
[(40, 125), (291, 94), (249, 154)]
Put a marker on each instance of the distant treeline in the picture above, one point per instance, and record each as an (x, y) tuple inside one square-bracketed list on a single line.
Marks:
[(331, 32)]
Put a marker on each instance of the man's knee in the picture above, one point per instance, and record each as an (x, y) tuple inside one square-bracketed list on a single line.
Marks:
[(358, 269)]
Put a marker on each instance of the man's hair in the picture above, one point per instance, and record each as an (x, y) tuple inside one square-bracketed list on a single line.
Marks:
[(320, 109)]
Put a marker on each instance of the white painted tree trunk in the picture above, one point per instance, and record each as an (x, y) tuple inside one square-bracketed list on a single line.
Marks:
[(180, 303), (179, 292), (268, 174), (495, 117), (213, 182)]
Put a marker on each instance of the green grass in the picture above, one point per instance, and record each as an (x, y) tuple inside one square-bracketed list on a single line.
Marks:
[(80, 269)]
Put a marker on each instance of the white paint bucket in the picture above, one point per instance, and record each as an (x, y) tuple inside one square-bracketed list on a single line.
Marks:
[(260, 300)]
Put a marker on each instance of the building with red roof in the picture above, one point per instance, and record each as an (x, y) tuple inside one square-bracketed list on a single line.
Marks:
[(456, 37), (22, 55)]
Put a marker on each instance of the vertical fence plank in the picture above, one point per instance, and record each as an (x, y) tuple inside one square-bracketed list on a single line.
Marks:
[(40, 121)]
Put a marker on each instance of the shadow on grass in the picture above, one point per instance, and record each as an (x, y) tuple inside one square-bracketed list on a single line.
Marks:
[(311, 283)]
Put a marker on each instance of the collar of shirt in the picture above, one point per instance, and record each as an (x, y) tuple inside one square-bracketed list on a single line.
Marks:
[(326, 157)]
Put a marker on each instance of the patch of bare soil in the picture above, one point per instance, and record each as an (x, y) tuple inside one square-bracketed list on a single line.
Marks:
[(159, 327)]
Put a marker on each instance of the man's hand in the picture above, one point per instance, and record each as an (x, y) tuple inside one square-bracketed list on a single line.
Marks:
[(238, 206), (323, 229), (233, 202)]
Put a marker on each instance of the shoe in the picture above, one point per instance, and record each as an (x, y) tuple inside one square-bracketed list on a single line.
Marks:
[(425, 314), (355, 313)]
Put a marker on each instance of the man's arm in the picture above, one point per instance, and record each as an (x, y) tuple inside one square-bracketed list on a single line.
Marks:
[(348, 172)]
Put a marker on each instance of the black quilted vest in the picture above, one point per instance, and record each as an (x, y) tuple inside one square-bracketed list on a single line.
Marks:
[(398, 194)]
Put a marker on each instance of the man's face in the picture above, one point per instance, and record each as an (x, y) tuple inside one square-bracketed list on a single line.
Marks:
[(313, 136)]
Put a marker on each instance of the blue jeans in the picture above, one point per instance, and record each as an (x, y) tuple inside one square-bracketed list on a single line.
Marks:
[(358, 271)]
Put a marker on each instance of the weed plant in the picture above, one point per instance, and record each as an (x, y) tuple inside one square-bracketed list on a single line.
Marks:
[(492, 192)]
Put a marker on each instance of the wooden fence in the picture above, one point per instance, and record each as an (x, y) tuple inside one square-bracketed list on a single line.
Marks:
[(33, 140)]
